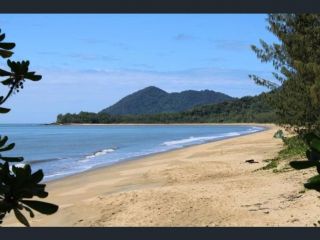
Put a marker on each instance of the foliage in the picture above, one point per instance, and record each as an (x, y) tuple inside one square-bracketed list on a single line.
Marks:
[(279, 134), (153, 100), (17, 184), (313, 155), (246, 109), (294, 147), (297, 66)]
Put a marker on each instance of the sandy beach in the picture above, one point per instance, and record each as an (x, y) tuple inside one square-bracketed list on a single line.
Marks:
[(202, 185)]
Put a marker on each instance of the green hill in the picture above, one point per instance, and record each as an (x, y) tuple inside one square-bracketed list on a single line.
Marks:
[(153, 100), (245, 109)]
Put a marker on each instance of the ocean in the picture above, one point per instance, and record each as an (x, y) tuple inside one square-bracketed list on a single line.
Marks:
[(65, 150)]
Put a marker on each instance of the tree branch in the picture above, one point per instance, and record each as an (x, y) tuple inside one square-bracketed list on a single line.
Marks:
[(8, 94)]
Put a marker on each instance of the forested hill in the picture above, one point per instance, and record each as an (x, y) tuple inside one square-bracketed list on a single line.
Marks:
[(153, 100), (245, 109)]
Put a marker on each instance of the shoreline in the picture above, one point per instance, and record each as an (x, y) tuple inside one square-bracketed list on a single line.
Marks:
[(151, 124), (124, 161), (209, 184)]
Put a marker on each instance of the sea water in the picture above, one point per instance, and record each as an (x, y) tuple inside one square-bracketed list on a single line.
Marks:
[(69, 149)]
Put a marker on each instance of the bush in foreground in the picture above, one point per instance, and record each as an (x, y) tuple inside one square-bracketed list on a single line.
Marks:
[(17, 182)]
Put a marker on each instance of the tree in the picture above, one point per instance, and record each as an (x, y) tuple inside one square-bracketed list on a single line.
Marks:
[(18, 184), (296, 97), (295, 94)]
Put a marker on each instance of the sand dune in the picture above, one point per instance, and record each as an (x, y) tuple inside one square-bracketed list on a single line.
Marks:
[(203, 185)]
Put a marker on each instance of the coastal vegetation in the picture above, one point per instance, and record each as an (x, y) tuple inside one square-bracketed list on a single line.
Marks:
[(18, 183), (296, 98), (294, 149), (246, 109), (153, 100)]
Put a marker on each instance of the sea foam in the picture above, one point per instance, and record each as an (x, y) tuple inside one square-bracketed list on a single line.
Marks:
[(190, 140), (98, 153)]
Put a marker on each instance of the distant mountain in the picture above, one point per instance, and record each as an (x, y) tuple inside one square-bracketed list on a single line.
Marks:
[(246, 109), (152, 100)]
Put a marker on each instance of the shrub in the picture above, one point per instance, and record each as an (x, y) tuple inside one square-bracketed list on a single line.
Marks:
[(17, 183)]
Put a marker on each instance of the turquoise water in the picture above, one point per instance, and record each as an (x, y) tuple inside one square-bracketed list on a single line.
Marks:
[(66, 150)]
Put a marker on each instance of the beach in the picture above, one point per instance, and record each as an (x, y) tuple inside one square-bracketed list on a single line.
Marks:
[(209, 184)]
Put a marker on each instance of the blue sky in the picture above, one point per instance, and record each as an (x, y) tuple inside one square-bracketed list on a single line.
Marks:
[(88, 61)]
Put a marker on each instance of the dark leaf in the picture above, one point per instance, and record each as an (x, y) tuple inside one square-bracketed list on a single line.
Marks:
[(37, 176), (7, 46), (4, 110), (312, 155), (41, 194), (315, 144), (313, 183), (21, 217), (5, 53), (10, 64), (30, 211), (42, 207), (3, 141), (2, 36), (7, 148), (313, 141), (12, 159), (5, 206), (33, 77), (302, 164), (7, 81), (308, 137), (4, 73)]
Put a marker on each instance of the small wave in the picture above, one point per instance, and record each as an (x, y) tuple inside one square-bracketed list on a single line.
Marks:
[(191, 140), (255, 129), (198, 139), (98, 153)]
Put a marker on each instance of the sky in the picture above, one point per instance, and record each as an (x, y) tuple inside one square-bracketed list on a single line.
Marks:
[(90, 61)]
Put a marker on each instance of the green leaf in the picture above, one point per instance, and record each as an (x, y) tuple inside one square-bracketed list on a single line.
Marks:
[(21, 217), (3, 141), (312, 155), (4, 110), (313, 141), (302, 164), (2, 36), (308, 137), (12, 159), (7, 148), (37, 176), (7, 81), (41, 194), (7, 46), (315, 144), (4, 73), (31, 76), (5, 53), (313, 183), (42, 207), (30, 211), (13, 65)]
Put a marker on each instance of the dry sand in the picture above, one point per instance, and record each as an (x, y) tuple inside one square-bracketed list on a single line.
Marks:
[(203, 185)]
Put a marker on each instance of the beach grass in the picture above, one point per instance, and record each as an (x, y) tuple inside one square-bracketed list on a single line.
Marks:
[(293, 148)]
